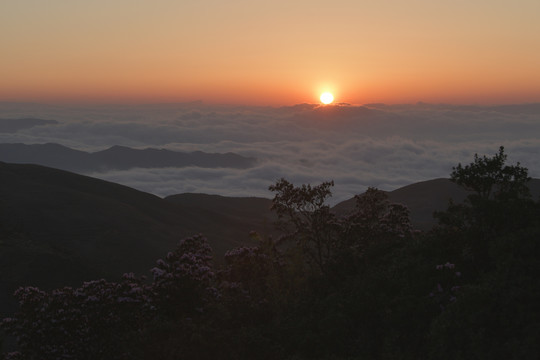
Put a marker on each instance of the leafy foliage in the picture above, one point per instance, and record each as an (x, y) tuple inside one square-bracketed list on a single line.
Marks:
[(305, 218), (490, 178)]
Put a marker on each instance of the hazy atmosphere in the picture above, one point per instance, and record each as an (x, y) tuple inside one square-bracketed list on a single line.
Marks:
[(356, 146)]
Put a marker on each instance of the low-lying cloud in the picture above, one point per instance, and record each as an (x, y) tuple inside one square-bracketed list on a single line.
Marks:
[(356, 146)]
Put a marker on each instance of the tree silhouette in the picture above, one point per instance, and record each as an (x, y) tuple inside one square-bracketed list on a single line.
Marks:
[(306, 219), (490, 178)]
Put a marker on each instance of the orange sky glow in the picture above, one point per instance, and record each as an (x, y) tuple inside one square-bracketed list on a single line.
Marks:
[(271, 53)]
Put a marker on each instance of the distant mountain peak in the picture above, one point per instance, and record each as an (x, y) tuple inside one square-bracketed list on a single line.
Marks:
[(116, 157)]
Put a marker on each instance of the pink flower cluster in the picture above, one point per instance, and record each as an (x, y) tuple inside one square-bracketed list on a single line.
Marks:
[(90, 321), (183, 281), (446, 290), (68, 322)]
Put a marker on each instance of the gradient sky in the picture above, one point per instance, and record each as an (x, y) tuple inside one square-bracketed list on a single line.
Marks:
[(270, 53)]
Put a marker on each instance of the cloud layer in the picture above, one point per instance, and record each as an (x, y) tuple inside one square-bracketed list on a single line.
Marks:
[(356, 146)]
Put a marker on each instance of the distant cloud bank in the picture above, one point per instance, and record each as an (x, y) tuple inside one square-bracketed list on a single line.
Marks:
[(386, 146)]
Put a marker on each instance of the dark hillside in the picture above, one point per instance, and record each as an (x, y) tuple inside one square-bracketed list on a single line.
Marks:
[(247, 213), (63, 225), (59, 228), (425, 197)]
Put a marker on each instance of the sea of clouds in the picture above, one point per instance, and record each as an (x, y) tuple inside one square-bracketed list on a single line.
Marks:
[(385, 146)]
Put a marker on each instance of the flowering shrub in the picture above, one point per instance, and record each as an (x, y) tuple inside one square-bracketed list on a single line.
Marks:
[(183, 281), (253, 269), (100, 319), (82, 323), (448, 286)]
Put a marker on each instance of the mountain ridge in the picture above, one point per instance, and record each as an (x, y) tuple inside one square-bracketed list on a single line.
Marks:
[(423, 198), (116, 158)]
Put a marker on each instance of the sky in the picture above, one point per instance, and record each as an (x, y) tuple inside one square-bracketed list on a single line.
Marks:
[(270, 52)]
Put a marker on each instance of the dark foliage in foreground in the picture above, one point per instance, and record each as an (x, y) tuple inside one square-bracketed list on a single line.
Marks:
[(363, 286)]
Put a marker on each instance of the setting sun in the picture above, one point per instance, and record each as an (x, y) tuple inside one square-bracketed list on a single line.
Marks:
[(327, 98)]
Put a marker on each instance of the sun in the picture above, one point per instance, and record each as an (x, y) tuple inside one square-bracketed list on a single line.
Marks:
[(327, 98)]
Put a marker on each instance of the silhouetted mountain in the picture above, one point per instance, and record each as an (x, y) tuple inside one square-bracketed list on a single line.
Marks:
[(14, 125), (116, 158), (423, 198), (59, 228), (247, 213), (51, 155)]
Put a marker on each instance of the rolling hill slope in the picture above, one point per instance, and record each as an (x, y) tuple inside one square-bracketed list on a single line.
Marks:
[(425, 197), (59, 228)]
